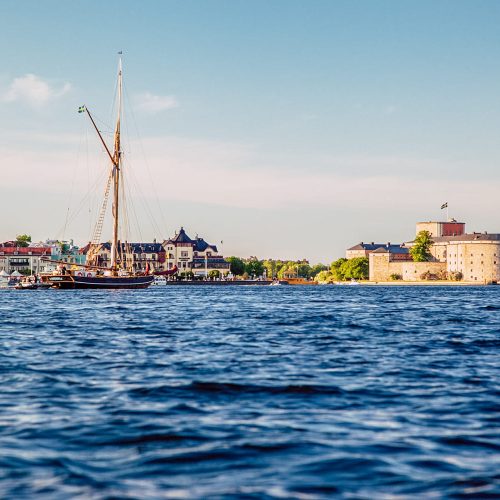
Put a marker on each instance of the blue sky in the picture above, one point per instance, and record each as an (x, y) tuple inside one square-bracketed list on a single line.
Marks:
[(284, 128)]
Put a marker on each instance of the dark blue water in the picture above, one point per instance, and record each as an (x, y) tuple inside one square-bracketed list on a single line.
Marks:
[(250, 392)]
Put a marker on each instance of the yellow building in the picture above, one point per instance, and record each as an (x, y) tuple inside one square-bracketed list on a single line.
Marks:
[(473, 257)]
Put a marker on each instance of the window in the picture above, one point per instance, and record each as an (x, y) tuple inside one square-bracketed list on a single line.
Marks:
[(184, 254)]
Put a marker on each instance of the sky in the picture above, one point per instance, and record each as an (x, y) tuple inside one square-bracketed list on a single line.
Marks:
[(286, 129)]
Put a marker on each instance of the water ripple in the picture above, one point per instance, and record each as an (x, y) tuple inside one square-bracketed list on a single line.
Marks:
[(258, 393)]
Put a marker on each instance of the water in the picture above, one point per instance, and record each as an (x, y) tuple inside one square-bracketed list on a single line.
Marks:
[(253, 392)]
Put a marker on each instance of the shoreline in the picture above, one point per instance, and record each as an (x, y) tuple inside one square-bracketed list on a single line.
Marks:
[(424, 283)]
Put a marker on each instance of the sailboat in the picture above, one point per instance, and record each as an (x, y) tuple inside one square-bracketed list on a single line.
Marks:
[(117, 275)]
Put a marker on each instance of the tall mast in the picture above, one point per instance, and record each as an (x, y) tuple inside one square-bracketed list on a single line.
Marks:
[(116, 176)]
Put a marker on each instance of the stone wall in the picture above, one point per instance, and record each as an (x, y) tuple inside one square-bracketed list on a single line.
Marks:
[(413, 271), (382, 267), (477, 261)]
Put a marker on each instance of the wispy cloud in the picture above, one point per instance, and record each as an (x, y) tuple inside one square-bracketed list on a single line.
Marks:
[(151, 103), (34, 90)]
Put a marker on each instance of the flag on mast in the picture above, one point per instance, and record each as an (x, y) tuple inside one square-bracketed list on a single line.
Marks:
[(81, 109), (444, 205)]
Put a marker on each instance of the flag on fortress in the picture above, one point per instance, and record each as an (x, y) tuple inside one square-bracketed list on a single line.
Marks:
[(444, 205)]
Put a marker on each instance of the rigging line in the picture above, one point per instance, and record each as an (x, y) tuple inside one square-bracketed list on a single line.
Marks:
[(125, 227), (146, 206), (72, 188), (133, 210), (104, 126), (145, 159), (84, 201), (96, 236), (88, 174), (144, 203)]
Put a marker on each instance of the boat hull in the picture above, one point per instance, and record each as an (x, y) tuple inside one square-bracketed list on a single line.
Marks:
[(99, 282)]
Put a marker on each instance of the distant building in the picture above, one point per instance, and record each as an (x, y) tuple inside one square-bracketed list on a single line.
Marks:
[(135, 256), (364, 249), (62, 251), (474, 256), (438, 229), (384, 266), (24, 259), (195, 255)]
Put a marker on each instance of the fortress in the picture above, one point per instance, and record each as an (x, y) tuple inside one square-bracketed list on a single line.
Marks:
[(457, 255)]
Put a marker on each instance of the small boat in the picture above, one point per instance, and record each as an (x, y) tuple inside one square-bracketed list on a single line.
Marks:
[(160, 281), (116, 276), (30, 283)]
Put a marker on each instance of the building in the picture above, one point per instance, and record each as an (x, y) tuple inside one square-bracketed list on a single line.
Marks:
[(469, 257), (193, 255), (364, 249), (135, 256), (386, 266), (62, 251), (24, 259), (475, 256), (439, 229)]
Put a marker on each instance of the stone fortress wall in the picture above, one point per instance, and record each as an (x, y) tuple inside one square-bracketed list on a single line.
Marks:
[(475, 255)]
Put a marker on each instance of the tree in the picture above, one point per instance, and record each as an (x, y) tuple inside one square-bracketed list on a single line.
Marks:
[(336, 269), (23, 240), (357, 269), (421, 246), (254, 267), (304, 270), (273, 267), (214, 274), (324, 277), (317, 268), (237, 265)]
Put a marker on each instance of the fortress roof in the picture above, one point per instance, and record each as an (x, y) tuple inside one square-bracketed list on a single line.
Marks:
[(471, 237), (383, 247)]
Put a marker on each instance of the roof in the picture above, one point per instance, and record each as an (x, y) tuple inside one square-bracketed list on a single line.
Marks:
[(181, 237), (201, 245), (136, 247), (380, 247), (211, 259), (453, 221), (25, 250), (483, 237)]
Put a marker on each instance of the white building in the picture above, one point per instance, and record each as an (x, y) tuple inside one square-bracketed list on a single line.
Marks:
[(195, 255)]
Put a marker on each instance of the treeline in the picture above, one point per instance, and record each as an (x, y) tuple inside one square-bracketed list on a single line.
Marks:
[(281, 269), (344, 270)]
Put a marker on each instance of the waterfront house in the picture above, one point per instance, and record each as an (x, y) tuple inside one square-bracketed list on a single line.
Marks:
[(135, 256), (193, 255), (24, 259)]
